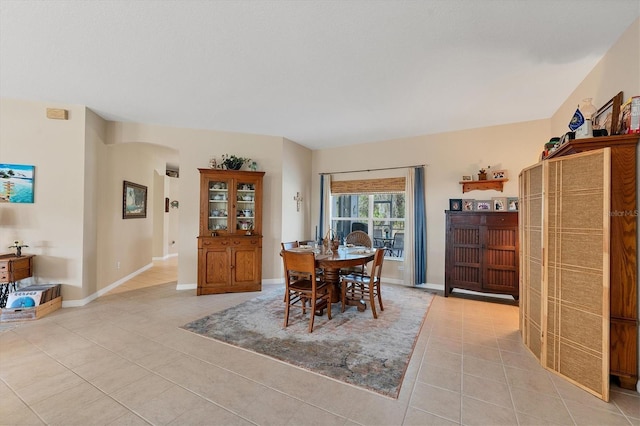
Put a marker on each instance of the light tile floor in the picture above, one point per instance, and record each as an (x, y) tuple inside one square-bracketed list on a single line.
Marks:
[(122, 360)]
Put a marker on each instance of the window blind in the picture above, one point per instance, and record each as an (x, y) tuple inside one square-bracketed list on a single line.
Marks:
[(368, 186)]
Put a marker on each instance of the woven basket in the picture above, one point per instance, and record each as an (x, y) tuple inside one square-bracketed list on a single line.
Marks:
[(331, 241)]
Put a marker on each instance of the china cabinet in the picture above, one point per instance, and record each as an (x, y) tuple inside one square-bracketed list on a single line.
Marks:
[(482, 252), (230, 238)]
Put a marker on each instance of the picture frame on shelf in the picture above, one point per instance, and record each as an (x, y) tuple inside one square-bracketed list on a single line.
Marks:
[(498, 174), (607, 116), (466, 177), (455, 204), (482, 205), (499, 204), (134, 200), (467, 205), (512, 204)]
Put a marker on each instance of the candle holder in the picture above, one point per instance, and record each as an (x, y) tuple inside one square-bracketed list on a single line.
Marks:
[(18, 246)]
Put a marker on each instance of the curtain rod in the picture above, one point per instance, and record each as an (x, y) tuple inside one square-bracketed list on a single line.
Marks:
[(373, 170)]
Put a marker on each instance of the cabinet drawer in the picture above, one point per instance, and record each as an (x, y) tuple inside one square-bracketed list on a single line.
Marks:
[(465, 218), (246, 242), (213, 242), (502, 219)]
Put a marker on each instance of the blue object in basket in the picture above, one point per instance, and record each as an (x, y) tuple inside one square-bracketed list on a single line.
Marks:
[(23, 302)]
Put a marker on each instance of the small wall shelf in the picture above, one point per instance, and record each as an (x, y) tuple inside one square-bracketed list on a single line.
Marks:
[(482, 185)]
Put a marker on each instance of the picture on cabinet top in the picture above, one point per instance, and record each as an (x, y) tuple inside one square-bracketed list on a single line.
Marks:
[(467, 205), (499, 204), (455, 204), (482, 205)]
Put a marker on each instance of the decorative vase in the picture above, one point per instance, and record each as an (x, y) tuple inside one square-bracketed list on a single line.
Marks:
[(588, 110), (482, 176)]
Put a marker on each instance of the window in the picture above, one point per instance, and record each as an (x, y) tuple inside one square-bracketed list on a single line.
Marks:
[(382, 216)]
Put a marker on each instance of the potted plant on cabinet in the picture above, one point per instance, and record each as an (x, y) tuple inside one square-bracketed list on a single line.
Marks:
[(231, 162)]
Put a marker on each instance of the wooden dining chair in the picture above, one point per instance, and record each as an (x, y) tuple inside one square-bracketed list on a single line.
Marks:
[(301, 290), (365, 286), (289, 245), (360, 239)]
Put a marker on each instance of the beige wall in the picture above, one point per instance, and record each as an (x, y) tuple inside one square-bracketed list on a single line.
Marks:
[(53, 225), (196, 147), (619, 70), (174, 217), (448, 157), (296, 177), (126, 245)]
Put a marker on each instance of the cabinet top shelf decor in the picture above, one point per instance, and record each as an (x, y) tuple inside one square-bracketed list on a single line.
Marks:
[(574, 146), (482, 185)]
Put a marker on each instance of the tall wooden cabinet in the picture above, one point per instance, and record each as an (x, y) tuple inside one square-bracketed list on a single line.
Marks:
[(230, 239), (579, 310), (482, 252)]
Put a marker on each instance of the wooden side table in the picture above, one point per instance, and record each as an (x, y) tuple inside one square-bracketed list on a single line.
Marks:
[(12, 270)]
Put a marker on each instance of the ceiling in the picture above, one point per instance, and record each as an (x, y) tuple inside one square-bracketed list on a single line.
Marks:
[(320, 73)]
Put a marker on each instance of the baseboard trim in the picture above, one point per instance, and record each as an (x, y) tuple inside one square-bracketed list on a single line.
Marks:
[(103, 291)]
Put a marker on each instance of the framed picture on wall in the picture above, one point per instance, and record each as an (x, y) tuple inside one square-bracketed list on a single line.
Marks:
[(134, 200), (16, 183)]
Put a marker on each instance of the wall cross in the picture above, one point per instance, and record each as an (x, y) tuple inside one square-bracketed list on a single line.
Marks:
[(298, 199)]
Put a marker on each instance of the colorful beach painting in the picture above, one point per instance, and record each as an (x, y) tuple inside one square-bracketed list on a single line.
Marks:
[(16, 183)]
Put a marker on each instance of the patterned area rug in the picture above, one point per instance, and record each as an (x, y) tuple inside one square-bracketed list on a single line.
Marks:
[(352, 347)]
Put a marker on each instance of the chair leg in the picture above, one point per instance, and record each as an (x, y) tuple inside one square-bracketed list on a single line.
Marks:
[(286, 309), (372, 301), (313, 312), (329, 302), (379, 296), (343, 287)]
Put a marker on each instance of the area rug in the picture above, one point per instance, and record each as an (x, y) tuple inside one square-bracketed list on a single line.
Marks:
[(352, 347)]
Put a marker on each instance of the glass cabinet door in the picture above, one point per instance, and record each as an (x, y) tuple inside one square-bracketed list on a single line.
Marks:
[(246, 205), (219, 208)]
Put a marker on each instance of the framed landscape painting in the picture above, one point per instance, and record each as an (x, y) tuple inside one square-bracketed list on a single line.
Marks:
[(16, 183), (134, 200)]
